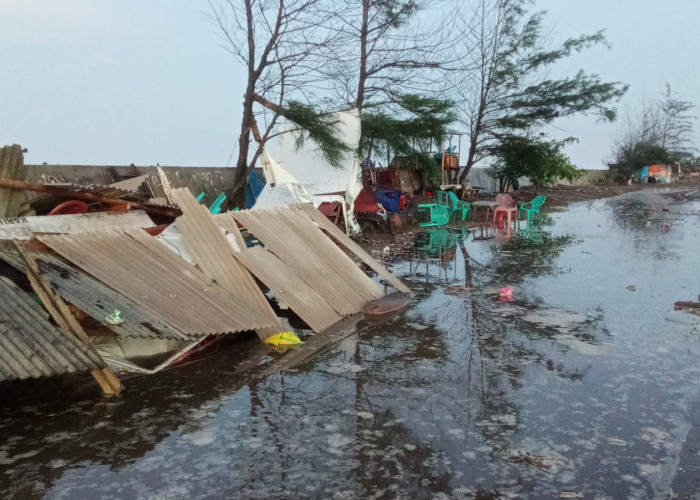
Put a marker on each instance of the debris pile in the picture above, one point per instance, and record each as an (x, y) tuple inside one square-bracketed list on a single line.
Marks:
[(113, 277)]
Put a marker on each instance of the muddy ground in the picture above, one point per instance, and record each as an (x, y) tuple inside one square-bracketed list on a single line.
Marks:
[(562, 195)]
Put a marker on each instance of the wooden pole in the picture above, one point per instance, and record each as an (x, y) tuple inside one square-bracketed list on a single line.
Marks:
[(442, 164), (105, 377), (66, 193)]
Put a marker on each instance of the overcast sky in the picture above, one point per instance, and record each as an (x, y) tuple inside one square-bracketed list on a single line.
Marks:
[(111, 82)]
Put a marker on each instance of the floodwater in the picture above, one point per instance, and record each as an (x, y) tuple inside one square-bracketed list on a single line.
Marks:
[(586, 385)]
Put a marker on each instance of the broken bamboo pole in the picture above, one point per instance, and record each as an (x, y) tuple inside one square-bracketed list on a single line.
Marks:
[(66, 193)]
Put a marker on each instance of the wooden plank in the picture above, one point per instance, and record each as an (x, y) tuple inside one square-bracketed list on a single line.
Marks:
[(289, 288), (295, 252), (353, 247)]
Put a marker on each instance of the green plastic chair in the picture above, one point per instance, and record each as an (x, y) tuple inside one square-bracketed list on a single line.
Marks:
[(532, 207), (439, 214), (456, 205), (215, 208)]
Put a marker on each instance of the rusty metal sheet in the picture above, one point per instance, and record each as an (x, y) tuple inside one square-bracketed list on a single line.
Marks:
[(23, 228), (98, 300), (139, 267), (205, 241), (353, 247), (31, 347), (289, 288)]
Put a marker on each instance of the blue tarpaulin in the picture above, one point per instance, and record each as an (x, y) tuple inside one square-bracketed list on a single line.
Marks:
[(254, 185), (643, 174)]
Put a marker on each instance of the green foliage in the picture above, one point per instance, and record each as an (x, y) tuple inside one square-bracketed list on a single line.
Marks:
[(661, 134), (408, 130), (541, 162), (634, 156), (509, 88), (395, 13), (319, 127)]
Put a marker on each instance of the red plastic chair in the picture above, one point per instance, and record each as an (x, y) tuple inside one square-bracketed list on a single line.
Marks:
[(70, 207), (506, 207)]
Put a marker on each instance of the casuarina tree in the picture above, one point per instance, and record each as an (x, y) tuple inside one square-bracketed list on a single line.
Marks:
[(280, 45), (505, 85)]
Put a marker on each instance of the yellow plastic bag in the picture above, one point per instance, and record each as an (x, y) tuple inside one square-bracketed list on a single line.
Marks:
[(283, 339)]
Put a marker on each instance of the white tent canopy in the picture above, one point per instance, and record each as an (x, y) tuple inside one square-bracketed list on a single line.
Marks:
[(303, 175)]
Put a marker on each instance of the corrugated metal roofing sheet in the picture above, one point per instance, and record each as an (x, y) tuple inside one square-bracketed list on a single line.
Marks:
[(132, 184), (98, 300), (22, 228), (289, 288), (314, 258), (353, 247), (139, 267), (31, 347), (213, 254)]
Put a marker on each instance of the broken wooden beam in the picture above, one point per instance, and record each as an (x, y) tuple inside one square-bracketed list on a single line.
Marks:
[(67, 193)]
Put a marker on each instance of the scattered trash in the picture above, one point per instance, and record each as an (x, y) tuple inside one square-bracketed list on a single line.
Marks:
[(283, 339), (530, 459), (457, 290), (115, 318), (693, 307), (570, 494), (631, 288), (506, 294)]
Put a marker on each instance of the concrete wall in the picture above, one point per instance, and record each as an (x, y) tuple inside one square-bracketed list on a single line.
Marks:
[(211, 180)]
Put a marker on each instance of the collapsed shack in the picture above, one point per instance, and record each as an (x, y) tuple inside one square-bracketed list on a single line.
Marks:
[(118, 288)]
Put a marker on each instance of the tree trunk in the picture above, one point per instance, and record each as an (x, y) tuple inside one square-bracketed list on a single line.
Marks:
[(470, 161), (241, 176), (362, 80)]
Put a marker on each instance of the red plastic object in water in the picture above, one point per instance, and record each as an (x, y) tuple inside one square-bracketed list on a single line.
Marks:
[(70, 207), (506, 294)]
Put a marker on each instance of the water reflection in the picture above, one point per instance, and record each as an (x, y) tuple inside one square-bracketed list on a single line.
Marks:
[(579, 385)]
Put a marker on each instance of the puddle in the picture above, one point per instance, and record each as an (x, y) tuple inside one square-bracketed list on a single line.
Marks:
[(578, 387)]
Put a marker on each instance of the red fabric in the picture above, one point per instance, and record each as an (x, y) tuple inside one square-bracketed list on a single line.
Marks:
[(366, 201), (388, 179)]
